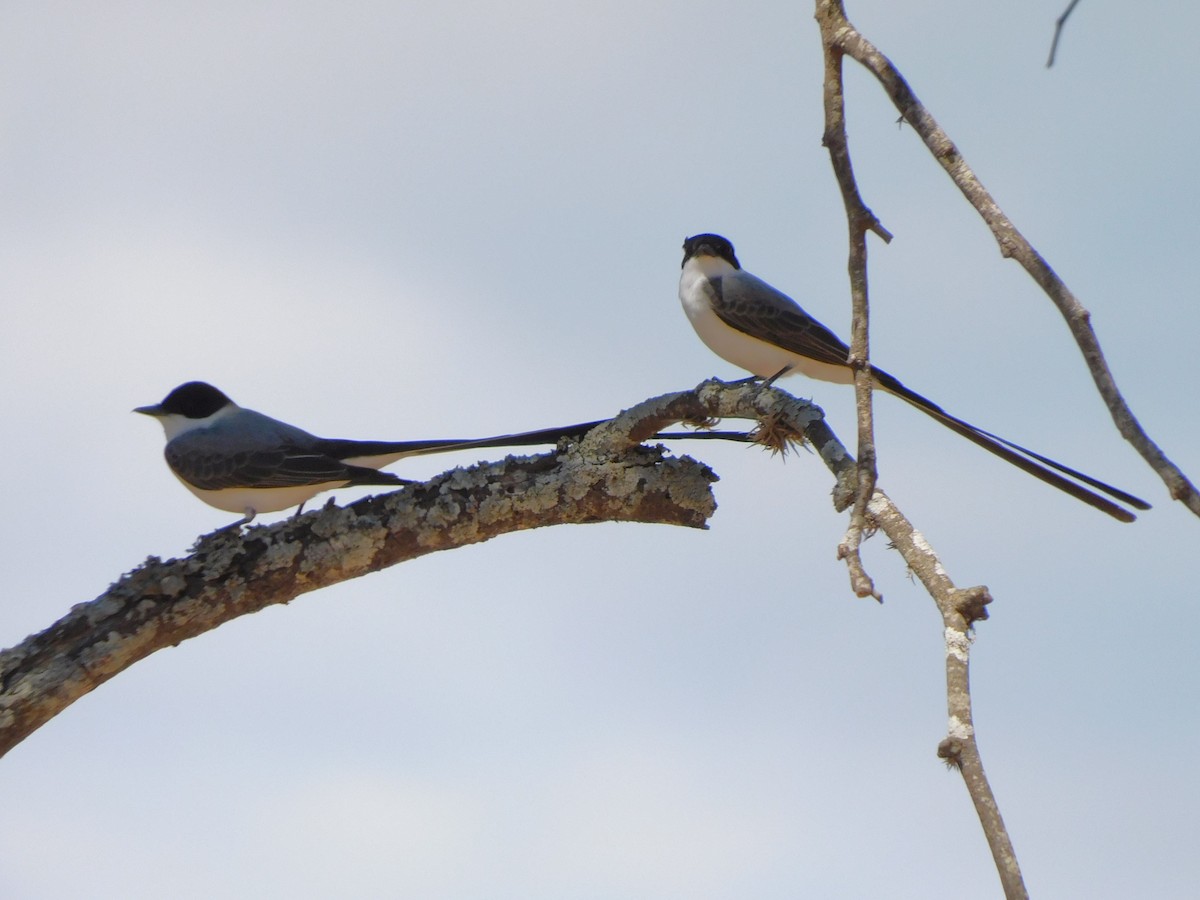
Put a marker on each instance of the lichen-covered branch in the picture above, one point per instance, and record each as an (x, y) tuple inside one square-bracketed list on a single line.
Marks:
[(1013, 244), (229, 574), (606, 477)]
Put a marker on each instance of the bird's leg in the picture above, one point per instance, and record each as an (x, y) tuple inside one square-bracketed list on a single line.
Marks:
[(770, 381), (232, 527), (246, 519), (750, 380)]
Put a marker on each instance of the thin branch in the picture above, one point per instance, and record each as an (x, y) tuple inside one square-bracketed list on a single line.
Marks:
[(1058, 28), (1012, 243), (960, 609), (859, 220)]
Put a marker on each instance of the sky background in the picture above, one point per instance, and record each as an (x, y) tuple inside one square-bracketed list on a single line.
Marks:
[(414, 220)]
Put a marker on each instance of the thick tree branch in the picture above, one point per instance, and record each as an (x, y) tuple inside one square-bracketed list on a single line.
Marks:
[(1012, 243), (160, 604), (607, 476)]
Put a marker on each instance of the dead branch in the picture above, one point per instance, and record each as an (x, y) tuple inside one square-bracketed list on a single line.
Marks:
[(1058, 29), (859, 220), (1012, 242), (607, 476), (959, 609), (160, 604)]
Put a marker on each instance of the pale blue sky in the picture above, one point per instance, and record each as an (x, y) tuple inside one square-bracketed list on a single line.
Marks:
[(402, 220)]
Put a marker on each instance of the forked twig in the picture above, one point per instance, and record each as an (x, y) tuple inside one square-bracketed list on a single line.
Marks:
[(859, 220), (837, 29), (959, 609), (1058, 29)]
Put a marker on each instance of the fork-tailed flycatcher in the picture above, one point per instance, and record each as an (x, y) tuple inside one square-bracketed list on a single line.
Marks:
[(749, 323), (242, 461)]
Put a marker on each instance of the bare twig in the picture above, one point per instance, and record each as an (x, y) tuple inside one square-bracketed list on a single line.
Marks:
[(1012, 243), (859, 220), (960, 609), (1058, 28)]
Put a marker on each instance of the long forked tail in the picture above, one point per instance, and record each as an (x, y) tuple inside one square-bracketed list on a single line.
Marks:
[(381, 453), (549, 436), (1037, 465)]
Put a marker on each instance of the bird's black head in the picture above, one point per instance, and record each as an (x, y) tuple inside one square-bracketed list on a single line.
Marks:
[(709, 245), (194, 400)]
